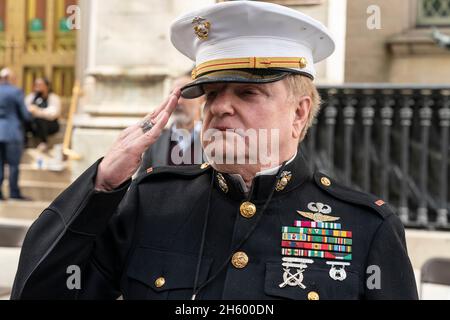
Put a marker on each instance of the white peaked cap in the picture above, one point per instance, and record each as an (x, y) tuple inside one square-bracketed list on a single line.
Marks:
[(231, 40)]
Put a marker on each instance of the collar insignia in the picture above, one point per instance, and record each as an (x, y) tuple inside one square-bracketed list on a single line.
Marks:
[(222, 182), (283, 181)]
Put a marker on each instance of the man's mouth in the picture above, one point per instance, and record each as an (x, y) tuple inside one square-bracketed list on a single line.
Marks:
[(238, 131), (222, 128)]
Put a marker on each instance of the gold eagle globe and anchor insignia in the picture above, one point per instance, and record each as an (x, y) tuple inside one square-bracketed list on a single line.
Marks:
[(201, 27), (283, 181), (319, 212)]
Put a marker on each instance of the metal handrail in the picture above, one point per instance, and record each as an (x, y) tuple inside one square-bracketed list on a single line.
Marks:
[(390, 140)]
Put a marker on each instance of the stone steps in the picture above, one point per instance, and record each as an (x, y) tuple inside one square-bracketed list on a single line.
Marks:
[(30, 172), (9, 260), (28, 210), (42, 190), (13, 231), (31, 155), (37, 182), (39, 190), (28, 156)]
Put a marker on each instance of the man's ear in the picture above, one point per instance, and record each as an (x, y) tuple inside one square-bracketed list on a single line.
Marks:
[(301, 113)]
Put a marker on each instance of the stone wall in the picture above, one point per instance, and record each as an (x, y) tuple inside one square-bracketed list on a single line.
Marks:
[(399, 52)]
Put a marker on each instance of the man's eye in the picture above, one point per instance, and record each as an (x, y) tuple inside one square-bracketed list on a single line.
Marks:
[(249, 93)]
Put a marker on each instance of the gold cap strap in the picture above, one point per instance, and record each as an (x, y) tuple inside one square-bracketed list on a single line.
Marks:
[(248, 63)]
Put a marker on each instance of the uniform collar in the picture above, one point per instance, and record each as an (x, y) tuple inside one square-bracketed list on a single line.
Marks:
[(268, 172), (295, 173)]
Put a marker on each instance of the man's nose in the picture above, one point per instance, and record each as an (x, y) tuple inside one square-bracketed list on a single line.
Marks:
[(222, 104)]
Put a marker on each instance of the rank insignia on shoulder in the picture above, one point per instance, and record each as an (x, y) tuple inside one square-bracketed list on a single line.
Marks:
[(379, 202), (319, 212)]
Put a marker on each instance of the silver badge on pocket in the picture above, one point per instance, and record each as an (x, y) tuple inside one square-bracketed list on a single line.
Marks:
[(294, 278), (337, 271)]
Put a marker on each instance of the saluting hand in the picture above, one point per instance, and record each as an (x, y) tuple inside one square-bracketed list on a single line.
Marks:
[(124, 157)]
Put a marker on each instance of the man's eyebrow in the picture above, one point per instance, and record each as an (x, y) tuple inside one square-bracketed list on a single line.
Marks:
[(243, 86), (215, 86), (258, 87)]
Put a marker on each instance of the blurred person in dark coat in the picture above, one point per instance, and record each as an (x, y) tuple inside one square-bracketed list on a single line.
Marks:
[(13, 114)]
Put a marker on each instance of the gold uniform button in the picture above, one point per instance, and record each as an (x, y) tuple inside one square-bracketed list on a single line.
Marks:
[(239, 260), (159, 283), (325, 181), (247, 209), (313, 295)]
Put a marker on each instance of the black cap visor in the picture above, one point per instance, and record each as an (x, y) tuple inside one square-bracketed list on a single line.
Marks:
[(195, 89)]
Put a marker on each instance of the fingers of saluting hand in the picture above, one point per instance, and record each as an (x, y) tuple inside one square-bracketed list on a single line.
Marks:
[(158, 122), (124, 157), (136, 131), (154, 114)]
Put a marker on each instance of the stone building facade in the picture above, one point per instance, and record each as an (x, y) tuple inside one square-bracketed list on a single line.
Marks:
[(402, 50)]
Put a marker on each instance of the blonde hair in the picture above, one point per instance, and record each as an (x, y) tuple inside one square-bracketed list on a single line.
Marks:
[(299, 86)]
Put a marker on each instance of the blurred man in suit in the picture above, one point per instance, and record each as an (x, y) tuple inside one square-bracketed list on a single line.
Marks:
[(180, 144), (13, 114)]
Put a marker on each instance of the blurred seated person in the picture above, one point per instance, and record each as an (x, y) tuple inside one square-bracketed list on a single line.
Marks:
[(45, 108), (180, 144)]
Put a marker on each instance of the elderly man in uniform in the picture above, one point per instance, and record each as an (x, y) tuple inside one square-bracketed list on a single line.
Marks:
[(219, 230)]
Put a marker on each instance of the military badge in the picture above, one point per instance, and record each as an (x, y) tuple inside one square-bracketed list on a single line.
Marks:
[(201, 27), (339, 273), (294, 279), (321, 238), (283, 181), (222, 182), (319, 212)]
